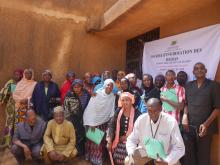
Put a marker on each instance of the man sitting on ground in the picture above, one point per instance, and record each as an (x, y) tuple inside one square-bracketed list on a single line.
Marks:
[(28, 138), (59, 139)]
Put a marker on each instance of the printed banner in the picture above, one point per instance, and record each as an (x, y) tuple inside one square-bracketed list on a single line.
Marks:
[(182, 51)]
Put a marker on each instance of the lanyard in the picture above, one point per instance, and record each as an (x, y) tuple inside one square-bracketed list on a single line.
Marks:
[(154, 135)]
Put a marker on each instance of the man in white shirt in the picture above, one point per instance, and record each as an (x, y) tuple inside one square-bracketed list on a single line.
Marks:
[(160, 126)]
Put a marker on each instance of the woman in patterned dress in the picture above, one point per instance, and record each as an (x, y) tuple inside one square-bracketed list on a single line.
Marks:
[(75, 103), (7, 101), (120, 127)]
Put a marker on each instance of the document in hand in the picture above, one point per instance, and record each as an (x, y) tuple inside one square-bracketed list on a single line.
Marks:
[(171, 95), (95, 136), (13, 86), (154, 148)]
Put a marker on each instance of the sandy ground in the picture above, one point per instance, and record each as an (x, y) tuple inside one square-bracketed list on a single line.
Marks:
[(6, 158)]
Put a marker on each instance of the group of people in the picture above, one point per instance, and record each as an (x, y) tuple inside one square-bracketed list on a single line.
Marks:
[(50, 124)]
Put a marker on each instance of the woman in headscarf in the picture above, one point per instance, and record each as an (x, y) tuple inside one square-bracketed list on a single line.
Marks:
[(121, 126), (70, 76), (46, 96), (75, 103), (23, 93), (97, 115), (159, 81), (7, 102), (133, 82), (149, 90), (126, 87), (106, 75), (120, 75)]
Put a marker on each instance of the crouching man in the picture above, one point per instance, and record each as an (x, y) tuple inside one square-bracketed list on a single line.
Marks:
[(28, 138), (59, 139), (157, 126)]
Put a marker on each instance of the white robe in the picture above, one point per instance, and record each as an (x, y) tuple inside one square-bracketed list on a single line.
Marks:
[(100, 109)]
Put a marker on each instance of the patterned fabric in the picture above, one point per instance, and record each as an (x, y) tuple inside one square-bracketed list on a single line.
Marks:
[(96, 153), (5, 92), (73, 110), (180, 92), (6, 98), (119, 153), (20, 114)]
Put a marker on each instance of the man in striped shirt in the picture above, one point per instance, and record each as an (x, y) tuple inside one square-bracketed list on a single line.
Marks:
[(179, 91)]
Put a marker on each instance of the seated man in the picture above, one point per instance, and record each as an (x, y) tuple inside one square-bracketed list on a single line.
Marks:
[(158, 126), (59, 139), (28, 138)]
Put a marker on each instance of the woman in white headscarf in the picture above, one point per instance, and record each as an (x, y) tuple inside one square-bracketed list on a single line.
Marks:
[(97, 115)]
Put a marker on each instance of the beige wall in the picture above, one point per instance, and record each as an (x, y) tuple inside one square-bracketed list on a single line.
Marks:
[(204, 17), (41, 39), (33, 35)]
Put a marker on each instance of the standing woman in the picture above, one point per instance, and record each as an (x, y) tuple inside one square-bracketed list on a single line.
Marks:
[(75, 103), (7, 101), (121, 126), (126, 87), (46, 96), (23, 93), (70, 76), (97, 115), (149, 90)]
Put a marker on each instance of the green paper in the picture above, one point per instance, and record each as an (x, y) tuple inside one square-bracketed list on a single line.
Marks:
[(95, 136), (171, 95), (13, 86), (154, 148)]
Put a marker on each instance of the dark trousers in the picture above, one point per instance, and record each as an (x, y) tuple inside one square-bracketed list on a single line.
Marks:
[(18, 152), (197, 150)]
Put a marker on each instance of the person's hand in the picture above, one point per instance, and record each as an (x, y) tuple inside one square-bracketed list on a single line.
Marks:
[(27, 152), (61, 157), (123, 138), (93, 94), (53, 155), (109, 146), (24, 101), (1, 104), (92, 129), (159, 162), (202, 130), (129, 160), (185, 122), (163, 98), (52, 100)]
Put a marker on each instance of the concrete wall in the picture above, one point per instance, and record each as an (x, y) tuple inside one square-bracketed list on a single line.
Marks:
[(204, 17), (52, 34)]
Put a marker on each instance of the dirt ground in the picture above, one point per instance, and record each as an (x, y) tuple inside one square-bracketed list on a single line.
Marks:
[(6, 158)]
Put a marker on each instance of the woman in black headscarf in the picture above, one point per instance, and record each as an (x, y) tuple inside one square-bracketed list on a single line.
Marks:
[(75, 102), (149, 90)]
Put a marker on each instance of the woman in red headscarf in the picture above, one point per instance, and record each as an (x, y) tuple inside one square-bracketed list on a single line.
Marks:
[(7, 102), (121, 126), (66, 86)]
